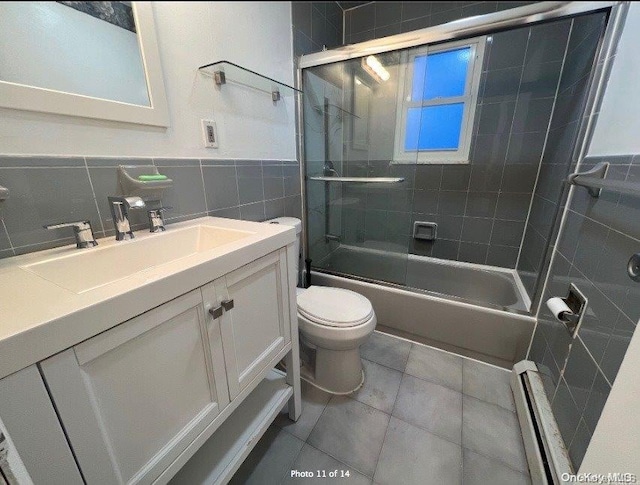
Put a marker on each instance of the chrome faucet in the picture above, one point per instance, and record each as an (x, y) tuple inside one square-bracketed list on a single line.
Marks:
[(120, 207), (81, 229), (156, 221)]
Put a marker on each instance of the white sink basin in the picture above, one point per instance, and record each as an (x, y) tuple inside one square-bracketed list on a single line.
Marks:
[(87, 269)]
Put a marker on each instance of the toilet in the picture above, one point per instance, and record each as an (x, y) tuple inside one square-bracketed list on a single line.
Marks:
[(333, 323)]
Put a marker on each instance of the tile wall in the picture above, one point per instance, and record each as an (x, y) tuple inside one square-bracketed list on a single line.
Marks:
[(46, 190), (599, 237), (316, 25), (380, 19), (559, 158), (480, 208)]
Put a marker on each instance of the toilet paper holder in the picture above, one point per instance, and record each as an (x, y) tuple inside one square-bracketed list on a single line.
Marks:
[(576, 304)]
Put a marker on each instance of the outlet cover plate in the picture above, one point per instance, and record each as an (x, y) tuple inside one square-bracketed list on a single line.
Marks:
[(210, 133)]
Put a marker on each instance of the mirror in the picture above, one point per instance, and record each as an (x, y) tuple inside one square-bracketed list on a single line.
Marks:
[(90, 59)]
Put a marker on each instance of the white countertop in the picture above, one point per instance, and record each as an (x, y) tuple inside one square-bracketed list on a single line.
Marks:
[(39, 318)]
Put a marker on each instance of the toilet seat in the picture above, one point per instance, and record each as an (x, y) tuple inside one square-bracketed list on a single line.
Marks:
[(334, 307)]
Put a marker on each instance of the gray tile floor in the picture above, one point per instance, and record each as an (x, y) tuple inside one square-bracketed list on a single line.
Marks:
[(423, 416)]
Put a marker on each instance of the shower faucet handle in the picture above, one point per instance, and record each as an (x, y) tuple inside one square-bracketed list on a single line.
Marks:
[(329, 169)]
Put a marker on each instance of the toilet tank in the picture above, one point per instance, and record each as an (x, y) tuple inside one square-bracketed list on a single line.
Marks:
[(295, 223)]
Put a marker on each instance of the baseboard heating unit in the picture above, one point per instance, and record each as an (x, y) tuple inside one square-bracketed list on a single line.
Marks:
[(546, 453)]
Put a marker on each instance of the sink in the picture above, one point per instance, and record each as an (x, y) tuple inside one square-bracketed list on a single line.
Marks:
[(82, 271)]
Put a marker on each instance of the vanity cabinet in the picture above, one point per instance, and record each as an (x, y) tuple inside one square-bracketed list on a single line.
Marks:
[(134, 398), (258, 326)]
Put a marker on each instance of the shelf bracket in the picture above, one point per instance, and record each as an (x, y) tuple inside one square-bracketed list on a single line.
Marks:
[(219, 78)]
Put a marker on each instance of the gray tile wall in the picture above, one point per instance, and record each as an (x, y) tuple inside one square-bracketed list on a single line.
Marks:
[(480, 208), (380, 19), (320, 24), (597, 240), (315, 25), (599, 237), (46, 190), (559, 158)]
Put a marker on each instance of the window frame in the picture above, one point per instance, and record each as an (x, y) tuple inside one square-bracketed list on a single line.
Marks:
[(470, 100)]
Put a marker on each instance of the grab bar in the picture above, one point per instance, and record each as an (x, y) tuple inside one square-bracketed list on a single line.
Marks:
[(594, 181), (361, 180)]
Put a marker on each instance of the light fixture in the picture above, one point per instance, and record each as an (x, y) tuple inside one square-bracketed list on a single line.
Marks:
[(373, 66)]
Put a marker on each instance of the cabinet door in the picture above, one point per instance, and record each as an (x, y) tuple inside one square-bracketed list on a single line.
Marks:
[(258, 326), (30, 419), (132, 398)]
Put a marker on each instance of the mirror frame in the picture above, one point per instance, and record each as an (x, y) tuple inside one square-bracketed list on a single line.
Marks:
[(31, 98)]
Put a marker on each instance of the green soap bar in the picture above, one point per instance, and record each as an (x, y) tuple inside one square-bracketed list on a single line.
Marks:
[(148, 178)]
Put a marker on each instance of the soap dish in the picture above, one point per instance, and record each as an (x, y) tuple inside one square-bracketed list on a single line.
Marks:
[(427, 231), (130, 185)]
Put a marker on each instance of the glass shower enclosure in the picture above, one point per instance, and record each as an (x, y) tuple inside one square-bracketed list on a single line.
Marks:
[(439, 167), (349, 197)]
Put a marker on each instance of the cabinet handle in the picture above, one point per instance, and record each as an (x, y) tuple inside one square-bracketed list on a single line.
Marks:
[(216, 312), (225, 305)]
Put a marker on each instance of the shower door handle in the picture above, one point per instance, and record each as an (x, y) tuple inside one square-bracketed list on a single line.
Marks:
[(360, 180)]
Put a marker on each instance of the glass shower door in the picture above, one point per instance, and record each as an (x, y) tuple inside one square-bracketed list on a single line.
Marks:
[(358, 201)]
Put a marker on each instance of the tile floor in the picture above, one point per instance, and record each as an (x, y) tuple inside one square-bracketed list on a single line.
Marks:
[(423, 416)]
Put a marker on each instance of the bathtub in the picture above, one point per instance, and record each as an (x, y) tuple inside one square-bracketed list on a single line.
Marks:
[(470, 309), (475, 283), (490, 286)]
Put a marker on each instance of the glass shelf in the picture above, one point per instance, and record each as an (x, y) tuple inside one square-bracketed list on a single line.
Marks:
[(225, 71)]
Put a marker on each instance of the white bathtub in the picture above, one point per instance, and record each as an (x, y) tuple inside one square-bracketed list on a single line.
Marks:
[(468, 309), (490, 286)]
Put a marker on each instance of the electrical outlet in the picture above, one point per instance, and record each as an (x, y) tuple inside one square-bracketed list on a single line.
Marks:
[(210, 134)]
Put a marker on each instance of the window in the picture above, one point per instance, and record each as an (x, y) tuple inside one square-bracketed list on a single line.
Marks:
[(437, 97)]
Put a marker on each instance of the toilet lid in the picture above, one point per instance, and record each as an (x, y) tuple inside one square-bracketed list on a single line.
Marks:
[(335, 307)]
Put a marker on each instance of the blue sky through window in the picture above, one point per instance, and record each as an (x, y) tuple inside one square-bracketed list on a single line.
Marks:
[(435, 76), (434, 127)]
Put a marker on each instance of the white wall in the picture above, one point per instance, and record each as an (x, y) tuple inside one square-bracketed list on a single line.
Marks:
[(618, 123), (254, 34), (615, 445)]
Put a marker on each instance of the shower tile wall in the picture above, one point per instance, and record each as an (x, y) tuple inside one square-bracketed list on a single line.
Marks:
[(316, 24), (46, 190), (380, 19), (595, 244), (559, 157), (480, 208), (599, 237)]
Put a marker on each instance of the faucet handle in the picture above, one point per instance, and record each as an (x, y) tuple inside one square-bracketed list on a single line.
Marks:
[(82, 231), (156, 221)]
